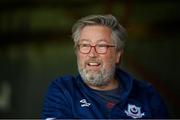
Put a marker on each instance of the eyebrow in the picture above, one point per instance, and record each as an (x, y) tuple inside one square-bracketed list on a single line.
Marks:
[(102, 40), (87, 40)]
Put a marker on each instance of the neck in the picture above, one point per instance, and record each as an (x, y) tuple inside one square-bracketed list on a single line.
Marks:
[(113, 84)]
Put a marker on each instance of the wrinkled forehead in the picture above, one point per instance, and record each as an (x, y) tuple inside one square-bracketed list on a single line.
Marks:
[(95, 34)]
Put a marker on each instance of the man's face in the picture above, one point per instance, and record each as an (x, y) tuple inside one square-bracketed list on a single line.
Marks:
[(97, 69)]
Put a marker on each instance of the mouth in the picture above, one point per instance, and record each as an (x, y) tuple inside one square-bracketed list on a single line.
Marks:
[(93, 65)]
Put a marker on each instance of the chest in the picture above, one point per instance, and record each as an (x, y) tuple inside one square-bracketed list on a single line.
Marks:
[(95, 105)]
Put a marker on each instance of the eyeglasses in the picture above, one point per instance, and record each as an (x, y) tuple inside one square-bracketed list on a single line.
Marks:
[(99, 48)]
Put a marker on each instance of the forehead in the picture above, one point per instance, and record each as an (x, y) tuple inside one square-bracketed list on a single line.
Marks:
[(95, 34)]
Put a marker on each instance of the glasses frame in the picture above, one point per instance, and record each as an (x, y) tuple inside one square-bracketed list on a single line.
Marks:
[(95, 47)]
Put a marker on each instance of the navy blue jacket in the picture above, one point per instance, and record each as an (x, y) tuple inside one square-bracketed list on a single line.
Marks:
[(70, 97)]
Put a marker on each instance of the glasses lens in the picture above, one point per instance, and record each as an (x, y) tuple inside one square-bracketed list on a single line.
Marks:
[(101, 48), (84, 48)]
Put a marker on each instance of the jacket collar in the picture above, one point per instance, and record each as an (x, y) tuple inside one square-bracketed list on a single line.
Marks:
[(124, 78), (126, 82)]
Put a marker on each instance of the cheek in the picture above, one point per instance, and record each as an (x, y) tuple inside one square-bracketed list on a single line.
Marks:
[(108, 61), (113, 57), (80, 59)]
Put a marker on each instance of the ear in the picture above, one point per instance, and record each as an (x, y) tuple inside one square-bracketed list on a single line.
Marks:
[(118, 56)]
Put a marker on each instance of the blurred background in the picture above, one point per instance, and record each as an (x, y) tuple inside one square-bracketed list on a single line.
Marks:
[(36, 47)]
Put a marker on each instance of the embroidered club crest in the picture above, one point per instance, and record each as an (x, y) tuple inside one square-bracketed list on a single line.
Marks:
[(134, 111)]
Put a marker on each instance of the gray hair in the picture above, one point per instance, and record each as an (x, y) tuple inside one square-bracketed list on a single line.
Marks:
[(118, 34)]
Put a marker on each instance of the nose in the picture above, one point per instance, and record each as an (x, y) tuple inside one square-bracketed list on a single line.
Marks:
[(93, 52)]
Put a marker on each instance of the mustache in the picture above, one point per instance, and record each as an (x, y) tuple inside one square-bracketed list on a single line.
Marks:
[(93, 60)]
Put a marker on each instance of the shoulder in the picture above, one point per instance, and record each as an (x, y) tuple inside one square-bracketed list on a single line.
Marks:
[(63, 81), (150, 95), (64, 78), (145, 91), (60, 89), (148, 90), (143, 86), (58, 97)]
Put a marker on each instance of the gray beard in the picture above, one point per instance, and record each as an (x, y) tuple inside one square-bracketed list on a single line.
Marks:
[(97, 79)]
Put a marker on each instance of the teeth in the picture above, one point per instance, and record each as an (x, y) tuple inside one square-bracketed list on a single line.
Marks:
[(93, 63)]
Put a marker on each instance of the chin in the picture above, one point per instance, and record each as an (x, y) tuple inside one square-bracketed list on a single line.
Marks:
[(93, 71)]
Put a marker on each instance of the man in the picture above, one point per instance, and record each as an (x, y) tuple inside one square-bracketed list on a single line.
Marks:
[(102, 89)]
